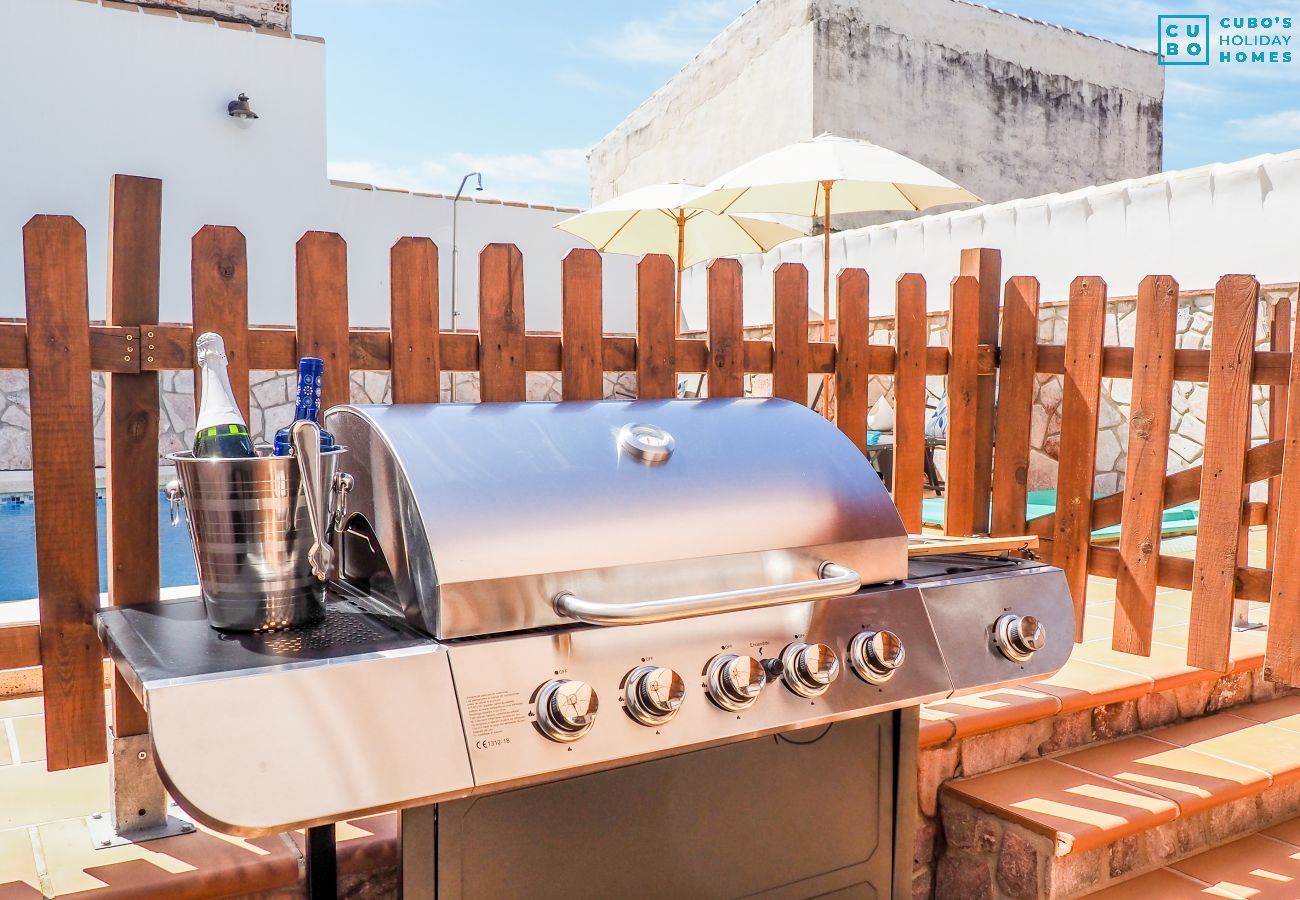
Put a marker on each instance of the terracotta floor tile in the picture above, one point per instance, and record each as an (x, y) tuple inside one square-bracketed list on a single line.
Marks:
[(1162, 884), (1275, 750), (1256, 867), (30, 732), (201, 864), (1166, 666), (1081, 684), (1288, 831), (1077, 809), (32, 795), (1189, 778), (18, 865), (991, 710)]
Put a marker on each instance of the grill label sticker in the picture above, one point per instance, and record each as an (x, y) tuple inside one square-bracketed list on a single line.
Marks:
[(493, 712)]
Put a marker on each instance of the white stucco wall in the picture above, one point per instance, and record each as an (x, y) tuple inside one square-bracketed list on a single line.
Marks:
[(986, 98), (94, 90), (1195, 225)]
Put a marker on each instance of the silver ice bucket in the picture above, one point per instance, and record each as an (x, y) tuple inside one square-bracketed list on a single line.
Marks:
[(261, 531)]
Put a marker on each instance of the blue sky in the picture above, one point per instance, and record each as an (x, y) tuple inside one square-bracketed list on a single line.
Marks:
[(423, 91)]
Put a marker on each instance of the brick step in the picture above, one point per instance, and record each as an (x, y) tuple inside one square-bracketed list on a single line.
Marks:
[(1088, 818), (1264, 866)]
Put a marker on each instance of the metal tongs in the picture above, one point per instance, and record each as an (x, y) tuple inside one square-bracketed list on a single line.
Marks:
[(305, 438)]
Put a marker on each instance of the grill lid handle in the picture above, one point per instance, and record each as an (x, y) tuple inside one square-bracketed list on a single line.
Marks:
[(833, 580)]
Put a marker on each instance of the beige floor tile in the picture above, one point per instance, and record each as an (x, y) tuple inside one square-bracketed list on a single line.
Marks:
[(201, 864), (30, 731), (22, 706), (32, 795), (1097, 628), (1275, 750), (1081, 684), (17, 863), (1256, 867), (1166, 666), (6, 755), (1191, 779)]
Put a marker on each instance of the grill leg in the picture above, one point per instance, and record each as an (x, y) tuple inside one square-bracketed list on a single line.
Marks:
[(322, 864)]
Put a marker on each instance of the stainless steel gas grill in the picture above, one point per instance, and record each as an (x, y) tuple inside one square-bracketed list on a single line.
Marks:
[(650, 649)]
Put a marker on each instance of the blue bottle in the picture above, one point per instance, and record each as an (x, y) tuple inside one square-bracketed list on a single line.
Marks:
[(310, 372)]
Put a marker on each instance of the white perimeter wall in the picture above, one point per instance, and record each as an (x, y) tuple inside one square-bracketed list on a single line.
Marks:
[(90, 91), (1196, 225)]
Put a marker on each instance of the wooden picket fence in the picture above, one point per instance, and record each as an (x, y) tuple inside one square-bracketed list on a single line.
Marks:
[(992, 342)]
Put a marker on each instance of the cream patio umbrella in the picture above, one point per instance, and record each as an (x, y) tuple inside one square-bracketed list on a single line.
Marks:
[(654, 219), (800, 179)]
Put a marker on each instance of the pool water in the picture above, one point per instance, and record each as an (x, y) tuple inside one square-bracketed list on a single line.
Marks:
[(18, 549)]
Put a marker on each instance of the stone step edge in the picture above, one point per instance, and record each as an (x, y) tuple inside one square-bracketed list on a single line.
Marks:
[(936, 731), (985, 855)]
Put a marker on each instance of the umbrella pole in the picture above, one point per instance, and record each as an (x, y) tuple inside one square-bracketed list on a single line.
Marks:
[(681, 246), (826, 291)]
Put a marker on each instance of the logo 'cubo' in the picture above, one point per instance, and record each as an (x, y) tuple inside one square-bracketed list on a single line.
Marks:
[(1183, 40)]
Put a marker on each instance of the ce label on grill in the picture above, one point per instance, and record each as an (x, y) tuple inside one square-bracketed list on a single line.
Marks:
[(490, 744)]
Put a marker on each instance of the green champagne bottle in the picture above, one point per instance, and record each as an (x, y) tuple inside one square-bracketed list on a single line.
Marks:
[(220, 429)]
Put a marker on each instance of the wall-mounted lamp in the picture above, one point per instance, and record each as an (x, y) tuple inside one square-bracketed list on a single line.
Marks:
[(239, 108), (455, 207)]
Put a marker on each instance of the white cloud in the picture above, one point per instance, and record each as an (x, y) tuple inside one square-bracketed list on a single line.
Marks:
[(1270, 126), (672, 38), (557, 175)]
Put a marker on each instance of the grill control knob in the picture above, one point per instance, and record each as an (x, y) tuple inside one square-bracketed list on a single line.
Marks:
[(566, 710), (1019, 637), (809, 668), (876, 655), (735, 681), (654, 694)]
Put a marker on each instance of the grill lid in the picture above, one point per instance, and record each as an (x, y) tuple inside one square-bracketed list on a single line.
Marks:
[(474, 518)]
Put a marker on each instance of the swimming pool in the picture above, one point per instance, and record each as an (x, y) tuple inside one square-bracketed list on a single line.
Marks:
[(18, 549)]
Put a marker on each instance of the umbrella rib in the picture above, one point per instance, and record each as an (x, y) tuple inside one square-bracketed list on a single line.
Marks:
[(902, 193), (619, 230)]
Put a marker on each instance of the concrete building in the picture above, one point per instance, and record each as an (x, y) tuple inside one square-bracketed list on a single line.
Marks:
[(1006, 106)]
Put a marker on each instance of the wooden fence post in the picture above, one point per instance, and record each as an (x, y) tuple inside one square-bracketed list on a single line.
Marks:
[(726, 369), (1282, 655), (790, 333), (961, 513), (1227, 437), (581, 339), (986, 266), (322, 283), (131, 416), (63, 475), (1148, 457), (416, 361), (912, 334), (503, 373), (1080, 407), (656, 330), (219, 282), (851, 355), (1017, 377), (1280, 342)]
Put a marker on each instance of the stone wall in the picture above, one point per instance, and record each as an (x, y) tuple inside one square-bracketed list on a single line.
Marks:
[(272, 393), (270, 405)]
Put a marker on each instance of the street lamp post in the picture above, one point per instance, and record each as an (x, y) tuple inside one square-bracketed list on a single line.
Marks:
[(455, 208)]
